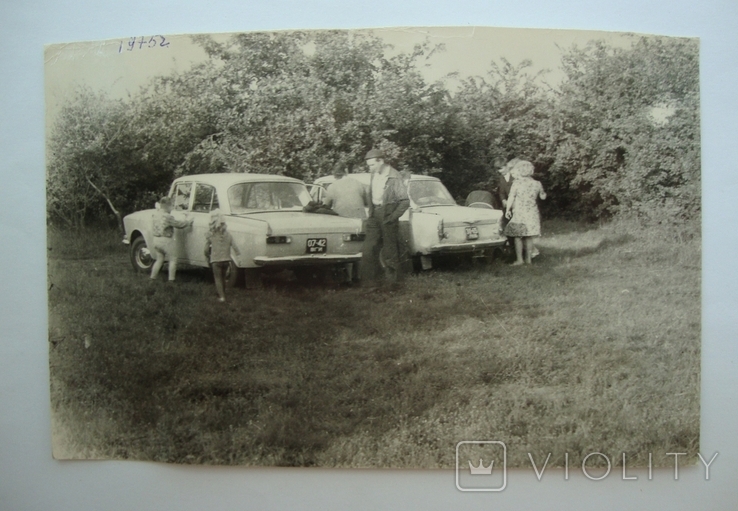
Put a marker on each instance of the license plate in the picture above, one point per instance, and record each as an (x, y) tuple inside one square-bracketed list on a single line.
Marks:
[(317, 245), (472, 233)]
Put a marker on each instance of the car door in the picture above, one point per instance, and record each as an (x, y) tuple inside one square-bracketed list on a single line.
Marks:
[(181, 201), (205, 200)]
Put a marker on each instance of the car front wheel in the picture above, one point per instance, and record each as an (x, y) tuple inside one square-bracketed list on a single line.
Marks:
[(141, 257)]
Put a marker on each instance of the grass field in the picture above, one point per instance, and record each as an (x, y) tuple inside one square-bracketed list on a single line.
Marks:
[(595, 347)]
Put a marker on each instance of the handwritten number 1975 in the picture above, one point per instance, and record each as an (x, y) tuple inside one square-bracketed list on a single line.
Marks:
[(143, 42)]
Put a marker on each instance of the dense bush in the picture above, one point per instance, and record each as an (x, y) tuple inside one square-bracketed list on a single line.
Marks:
[(628, 135)]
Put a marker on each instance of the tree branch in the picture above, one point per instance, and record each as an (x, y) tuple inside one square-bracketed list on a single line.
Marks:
[(115, 211)]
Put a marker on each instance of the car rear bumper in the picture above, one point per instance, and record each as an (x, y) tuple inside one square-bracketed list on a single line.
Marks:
[(307, 260), (455, 248)]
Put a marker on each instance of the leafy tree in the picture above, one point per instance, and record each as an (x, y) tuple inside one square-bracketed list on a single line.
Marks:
[(180, 114), (85, 151), (504, 116), (321, 97), (105, 155)]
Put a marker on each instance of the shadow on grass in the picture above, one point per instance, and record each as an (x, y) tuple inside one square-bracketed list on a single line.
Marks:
[(559, 249), (277, 371)]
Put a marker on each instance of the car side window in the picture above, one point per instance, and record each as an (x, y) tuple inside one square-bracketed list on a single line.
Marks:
[(182, 196), (206, 199)]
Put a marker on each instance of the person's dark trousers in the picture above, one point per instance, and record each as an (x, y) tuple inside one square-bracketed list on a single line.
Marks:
[(380, 238), (505, 221)]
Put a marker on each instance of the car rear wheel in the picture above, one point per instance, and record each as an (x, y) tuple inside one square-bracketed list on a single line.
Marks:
[(141, 257), (483, 257), (422, 262), (235, 276), (248, 278), (310, 275)]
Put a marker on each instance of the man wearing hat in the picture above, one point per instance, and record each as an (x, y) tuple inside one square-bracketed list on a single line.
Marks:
[(388, 200), (504, 183)]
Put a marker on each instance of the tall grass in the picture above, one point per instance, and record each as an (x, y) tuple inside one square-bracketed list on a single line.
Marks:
[(593, 348)]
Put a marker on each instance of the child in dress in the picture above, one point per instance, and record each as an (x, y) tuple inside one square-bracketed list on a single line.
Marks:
[(522, 210), (218, 246)]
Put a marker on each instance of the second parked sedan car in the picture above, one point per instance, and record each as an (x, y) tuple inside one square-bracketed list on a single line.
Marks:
[(264, 214), (434, 224)]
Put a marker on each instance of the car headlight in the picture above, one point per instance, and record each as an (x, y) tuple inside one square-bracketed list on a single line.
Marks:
[(354, 237), (278, 240)]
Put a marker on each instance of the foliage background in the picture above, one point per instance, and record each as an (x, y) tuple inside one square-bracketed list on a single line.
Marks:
[(620, 133)]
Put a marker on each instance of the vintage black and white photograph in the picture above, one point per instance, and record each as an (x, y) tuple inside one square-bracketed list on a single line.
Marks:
[(359, 248)]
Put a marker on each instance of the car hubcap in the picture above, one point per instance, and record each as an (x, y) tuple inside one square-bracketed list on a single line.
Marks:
[(143, 257)]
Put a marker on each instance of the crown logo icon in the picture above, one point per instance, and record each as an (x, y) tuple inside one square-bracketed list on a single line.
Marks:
[(481, 470)]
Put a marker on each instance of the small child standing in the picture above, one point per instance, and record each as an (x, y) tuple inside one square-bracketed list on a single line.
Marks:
[(164, 245), (218, 246)]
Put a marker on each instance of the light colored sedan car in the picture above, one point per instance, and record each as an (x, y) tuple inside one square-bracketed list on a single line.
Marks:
[(263, 213), (435, 225)]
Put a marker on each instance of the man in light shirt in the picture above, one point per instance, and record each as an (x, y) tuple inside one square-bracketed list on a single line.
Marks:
[(347, 197), (388, 200)]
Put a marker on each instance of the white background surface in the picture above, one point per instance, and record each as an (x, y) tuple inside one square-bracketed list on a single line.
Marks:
[(30, 479)]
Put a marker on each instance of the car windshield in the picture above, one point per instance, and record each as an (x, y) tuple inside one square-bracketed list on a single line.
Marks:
[(429, 193), (274, 196)]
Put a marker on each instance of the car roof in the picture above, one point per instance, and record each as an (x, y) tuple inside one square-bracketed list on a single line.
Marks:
[(364, 177), (230, 178)]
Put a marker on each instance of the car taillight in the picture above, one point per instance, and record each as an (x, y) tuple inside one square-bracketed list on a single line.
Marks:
[(354, 237), (278, 240), (441, 232)]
